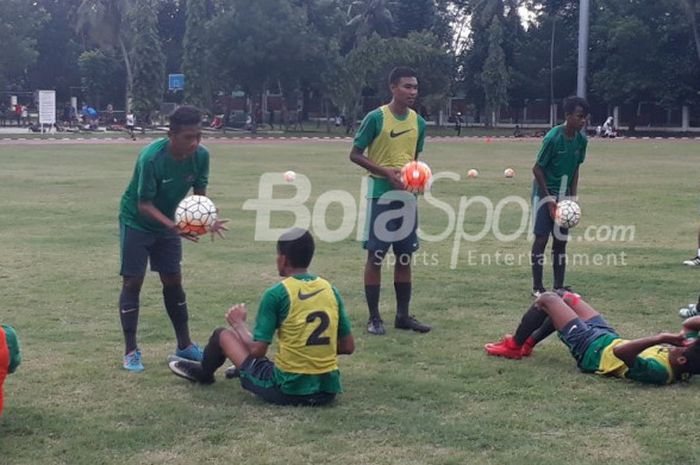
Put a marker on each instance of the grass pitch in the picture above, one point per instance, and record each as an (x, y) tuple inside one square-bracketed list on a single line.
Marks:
[(410, 399)]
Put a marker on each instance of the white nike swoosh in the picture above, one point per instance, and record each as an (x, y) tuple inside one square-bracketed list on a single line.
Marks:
[(165, 181), (572, 328), (129, 310)]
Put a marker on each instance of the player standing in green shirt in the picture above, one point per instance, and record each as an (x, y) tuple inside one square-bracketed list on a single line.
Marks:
[(165, 172), (393, 135), (10, 355), (312, 326), (556, 177)]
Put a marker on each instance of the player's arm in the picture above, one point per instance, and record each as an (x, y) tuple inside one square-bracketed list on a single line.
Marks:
[(346, 343), (236, 319), (629, 351), (574, 184), (421, 137)]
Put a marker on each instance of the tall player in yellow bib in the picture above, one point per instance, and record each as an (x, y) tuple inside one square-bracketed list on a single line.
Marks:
[(393, 135), (312, 329)]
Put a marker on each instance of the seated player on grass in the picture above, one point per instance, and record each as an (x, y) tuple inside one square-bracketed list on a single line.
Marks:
[(598, 349), (10, 356), (309, 316)]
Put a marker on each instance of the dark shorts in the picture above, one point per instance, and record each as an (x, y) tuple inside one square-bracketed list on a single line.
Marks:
[(543, 224), (392, 223), (257, 376), (578, 334), (162, 249)]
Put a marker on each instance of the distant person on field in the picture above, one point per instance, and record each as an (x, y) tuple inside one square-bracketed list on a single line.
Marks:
[(130, 124)]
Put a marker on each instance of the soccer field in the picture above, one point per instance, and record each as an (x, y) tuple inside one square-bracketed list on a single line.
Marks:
[(409, 398)]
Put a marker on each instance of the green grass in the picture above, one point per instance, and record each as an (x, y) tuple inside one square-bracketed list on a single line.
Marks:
[(410, 399)]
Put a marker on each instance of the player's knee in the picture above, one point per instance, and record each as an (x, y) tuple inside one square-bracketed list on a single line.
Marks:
[(132, 285), (546, 298), (216, 335), (171, 280), (375, 258)]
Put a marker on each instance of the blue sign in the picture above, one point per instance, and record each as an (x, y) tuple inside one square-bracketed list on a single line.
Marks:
[(176, 82)]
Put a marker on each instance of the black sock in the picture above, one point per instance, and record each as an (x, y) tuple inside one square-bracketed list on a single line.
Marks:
[(533, 319), (129, 316), (372, 296), (559, 262), (543, 331), (214, 355), (537, 270), (403, 299), (176, 305)]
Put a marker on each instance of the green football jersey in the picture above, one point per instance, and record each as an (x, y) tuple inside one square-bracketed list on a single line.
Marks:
[(559, 157), (163, 180)]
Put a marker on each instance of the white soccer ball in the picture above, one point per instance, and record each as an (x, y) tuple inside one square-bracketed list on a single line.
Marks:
[(195, 214), (509, 172), (289, 176), (568, 214), (472, 173)]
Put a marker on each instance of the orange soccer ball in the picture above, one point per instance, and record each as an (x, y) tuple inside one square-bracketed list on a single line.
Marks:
[(416, 176)]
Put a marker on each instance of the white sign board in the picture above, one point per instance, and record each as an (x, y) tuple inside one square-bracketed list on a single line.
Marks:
[(47, 107)]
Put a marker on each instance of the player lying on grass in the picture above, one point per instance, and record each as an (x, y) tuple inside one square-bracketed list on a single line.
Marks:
[(309, 316), (598, 348)]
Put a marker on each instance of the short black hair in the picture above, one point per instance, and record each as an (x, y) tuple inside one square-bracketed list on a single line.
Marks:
[(692, 356), (185, 115), (401, 72), (297, 245), (570, 104)]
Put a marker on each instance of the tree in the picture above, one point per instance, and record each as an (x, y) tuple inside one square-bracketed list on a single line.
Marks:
[(494, 77), (693, 9), (148, 60), (19, 21), (105, 23), (195, 61), (99, 72), (58, 48), (414, 16), (366, 17)]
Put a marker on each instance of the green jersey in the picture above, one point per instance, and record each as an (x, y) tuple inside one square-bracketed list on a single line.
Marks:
[(559, 158), (12, 347), (392, 141), (163, 180), (274, 309)]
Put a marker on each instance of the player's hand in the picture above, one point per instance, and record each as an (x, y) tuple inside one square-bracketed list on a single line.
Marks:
[(236, 314), (185, 235), (552, 205), (675, 339), (394, 177), (218, 229)]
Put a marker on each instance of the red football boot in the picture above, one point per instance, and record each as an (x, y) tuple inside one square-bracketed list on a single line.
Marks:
[(506, 347)]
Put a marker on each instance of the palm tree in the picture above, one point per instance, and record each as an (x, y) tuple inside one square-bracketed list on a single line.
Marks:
[(105, 23), (369, 16)]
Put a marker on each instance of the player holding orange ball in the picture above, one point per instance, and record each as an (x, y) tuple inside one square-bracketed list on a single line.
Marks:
[(393, 135)]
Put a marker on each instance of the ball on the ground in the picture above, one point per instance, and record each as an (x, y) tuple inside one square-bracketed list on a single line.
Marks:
[(472, 173), (509, 172), (568, 214), (416, 176), (289, 176), (195, 215)]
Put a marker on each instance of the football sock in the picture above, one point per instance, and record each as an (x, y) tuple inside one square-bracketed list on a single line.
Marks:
[(559, 262), (403, 299), (214, 355), (543, 331), (372, 296), (537, 270), (533, 319), (176, 306), (129, 316)]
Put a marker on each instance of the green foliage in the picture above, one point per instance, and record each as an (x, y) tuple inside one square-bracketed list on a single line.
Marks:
[(494, 77), (19, 21), (100, 74), (148, 60), (195, 61)]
